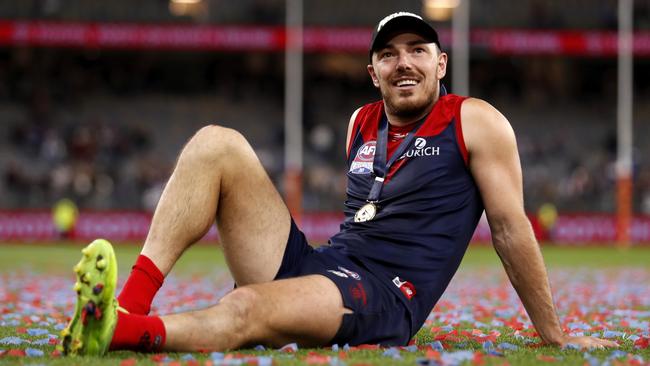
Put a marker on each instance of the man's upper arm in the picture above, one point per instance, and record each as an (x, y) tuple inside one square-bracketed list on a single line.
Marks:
[(350, 128), (494, 162)]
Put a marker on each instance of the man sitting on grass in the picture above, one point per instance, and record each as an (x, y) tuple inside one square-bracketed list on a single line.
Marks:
[(423, 165)]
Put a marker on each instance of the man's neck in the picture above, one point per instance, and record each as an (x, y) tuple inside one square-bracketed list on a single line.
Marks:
[(400, 121)]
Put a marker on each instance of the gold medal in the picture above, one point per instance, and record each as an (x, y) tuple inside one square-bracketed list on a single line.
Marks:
[(367, 212)]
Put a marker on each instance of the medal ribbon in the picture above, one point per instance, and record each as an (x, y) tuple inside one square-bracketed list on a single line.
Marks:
[(379, 166)]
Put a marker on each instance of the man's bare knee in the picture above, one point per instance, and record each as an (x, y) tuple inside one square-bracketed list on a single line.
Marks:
[(243, 303), (214, 143)]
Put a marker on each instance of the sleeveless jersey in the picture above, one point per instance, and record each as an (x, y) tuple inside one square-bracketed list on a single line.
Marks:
[(428, 209)]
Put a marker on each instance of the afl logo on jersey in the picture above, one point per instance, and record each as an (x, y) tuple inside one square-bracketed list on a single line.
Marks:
[(362, 163)]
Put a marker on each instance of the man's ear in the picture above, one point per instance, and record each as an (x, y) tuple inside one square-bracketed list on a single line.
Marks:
[(373, 76), (442, 65)]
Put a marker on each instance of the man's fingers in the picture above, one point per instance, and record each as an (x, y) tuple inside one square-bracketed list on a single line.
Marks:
[(593, 343), (609, 343)]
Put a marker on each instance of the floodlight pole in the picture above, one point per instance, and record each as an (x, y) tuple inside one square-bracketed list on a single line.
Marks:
[(460, 49), (624, 122), (293, 98)]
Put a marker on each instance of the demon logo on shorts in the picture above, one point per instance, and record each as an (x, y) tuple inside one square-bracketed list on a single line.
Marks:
[(362, 163)]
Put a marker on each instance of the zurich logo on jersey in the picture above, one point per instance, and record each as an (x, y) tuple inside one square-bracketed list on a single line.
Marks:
[(420, 149), (362, 163)]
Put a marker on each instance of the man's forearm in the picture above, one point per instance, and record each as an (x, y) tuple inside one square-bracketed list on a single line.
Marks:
[(523, 262)]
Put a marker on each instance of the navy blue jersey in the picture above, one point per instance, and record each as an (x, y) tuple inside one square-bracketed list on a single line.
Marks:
[(428, 209)]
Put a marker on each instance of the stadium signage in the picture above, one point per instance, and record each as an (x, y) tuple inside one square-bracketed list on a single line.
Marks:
[(132, 226), (316, 39)]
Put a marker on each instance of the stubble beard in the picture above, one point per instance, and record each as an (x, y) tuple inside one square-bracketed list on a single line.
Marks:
[(408, 109)]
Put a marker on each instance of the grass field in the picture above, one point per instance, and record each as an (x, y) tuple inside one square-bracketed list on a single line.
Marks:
[(598, 290)]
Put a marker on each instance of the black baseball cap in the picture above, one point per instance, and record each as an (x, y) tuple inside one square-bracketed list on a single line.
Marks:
[(398, 23)]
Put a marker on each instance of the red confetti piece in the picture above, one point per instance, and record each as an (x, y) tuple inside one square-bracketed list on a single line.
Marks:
[(314, 358), (642, 343), (192, 363), (21, 330), (546, 358), (16, 353), (368, 346), (159, 357), (432, 354), (55, 353), (129, 362), (478, 359)]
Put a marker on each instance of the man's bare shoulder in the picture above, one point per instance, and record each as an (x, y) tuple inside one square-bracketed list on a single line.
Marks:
[(483, 124)]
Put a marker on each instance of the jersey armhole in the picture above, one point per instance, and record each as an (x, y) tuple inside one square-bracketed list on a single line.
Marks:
[(355, 128), (460, 140)]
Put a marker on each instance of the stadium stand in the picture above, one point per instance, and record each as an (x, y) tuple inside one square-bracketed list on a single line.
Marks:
[(104, 126)]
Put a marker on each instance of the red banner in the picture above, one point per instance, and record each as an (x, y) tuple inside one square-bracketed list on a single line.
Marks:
[(316, 39), (318, 227)]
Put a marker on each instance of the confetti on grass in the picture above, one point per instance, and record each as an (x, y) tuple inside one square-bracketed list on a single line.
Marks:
[(466, 325)]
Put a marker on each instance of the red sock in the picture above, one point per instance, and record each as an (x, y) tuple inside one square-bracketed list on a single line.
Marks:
[(141, 286), (138, 333)]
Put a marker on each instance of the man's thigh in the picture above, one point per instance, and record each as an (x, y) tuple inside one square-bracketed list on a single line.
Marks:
[(252, 219), (375, 313), (307, 310)]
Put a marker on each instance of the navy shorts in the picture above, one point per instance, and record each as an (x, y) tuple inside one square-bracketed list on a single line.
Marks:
[(378, 317)]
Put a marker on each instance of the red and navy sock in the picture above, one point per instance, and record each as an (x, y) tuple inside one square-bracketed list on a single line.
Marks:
[(140, 288), (138, 333)]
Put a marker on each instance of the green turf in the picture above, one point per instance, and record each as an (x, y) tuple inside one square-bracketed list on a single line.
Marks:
[(59, 259), (206, 257), (569, 256)]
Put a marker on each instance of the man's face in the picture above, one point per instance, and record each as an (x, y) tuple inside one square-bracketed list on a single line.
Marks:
[(407, 71)]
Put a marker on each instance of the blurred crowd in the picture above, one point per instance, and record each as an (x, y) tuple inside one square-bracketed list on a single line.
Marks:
[(541, 14), (103, 128)]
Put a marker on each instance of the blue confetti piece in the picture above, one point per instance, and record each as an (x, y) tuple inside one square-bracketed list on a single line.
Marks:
[(42, 341), (264, 361), (411, 348), (216, 356), (633, 337), (571, 346), (259, 347), (612, 334), (578, 325), (507, 346), (617, 354), (37, 332), (496, 323), (437, 346), (32, 352), (12, 340), (289, 347), (392, 352), (60, 326), (456, 358), (495, 353), (335, 347), (187, 357), (335, 361), (488, 345), (346, 347)]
